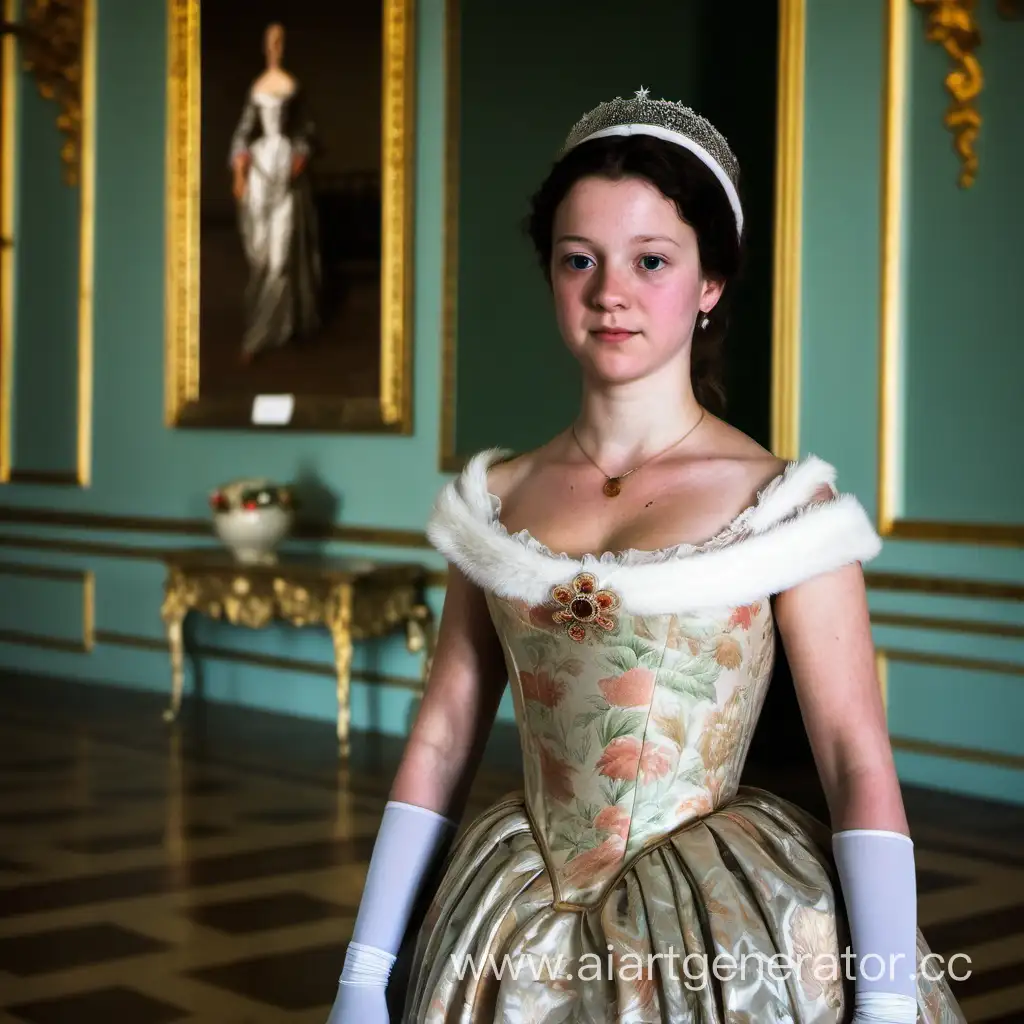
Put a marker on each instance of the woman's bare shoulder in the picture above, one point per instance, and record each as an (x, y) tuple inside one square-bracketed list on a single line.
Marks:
[(751, 465), (506, 475)]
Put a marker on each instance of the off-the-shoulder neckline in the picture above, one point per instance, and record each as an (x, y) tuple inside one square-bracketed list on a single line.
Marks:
[(474, 479), (788, 533)]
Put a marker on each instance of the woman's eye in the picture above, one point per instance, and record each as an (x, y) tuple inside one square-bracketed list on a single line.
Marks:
[(652, 262), (578, 261)]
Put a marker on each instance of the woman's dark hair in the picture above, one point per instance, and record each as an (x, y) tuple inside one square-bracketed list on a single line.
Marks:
[(701, 202)]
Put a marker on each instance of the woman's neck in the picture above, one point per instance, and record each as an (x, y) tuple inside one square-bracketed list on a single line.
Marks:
[(621, 426)]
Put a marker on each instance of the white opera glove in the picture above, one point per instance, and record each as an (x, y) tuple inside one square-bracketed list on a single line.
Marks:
[(409, 843), (879, 883)]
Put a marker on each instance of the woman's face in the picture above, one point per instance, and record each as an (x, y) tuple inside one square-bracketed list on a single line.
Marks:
[(626, 278), (273, 43)]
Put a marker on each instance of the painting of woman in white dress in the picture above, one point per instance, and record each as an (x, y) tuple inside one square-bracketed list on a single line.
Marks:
[(270, 153), (289, 186)]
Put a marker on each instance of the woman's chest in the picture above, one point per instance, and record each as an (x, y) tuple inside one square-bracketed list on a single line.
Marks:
[(569, 510)]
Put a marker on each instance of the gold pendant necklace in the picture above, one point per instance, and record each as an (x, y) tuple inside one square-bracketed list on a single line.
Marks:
[(613, 484)]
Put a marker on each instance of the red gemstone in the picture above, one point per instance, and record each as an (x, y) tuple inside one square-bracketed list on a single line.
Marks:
[(585, 584), (582, 608)]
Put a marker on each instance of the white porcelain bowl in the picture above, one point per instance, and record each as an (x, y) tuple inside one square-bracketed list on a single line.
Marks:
[(252, 517)]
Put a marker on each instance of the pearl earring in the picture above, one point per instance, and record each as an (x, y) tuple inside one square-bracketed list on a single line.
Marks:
[(704, 321)]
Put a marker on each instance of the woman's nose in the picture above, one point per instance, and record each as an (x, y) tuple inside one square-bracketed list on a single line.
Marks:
[(610, 290)]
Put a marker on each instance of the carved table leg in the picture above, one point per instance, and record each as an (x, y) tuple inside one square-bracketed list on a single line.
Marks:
[(176, 641), (339, 620), (420, 636), (173, 612)]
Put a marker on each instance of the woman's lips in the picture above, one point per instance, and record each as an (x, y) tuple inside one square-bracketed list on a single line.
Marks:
[(612, 334)]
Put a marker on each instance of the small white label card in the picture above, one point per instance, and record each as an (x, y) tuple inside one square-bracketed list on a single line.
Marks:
[(273, 410)]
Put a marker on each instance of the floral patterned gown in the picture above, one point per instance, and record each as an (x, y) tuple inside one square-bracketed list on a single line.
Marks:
[(634, 880)]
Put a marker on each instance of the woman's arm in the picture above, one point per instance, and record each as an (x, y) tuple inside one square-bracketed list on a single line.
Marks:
[(826, 630), (427, 798), (466, 683)]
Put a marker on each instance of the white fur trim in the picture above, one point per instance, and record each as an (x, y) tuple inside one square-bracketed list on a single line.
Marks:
[(786, 538)]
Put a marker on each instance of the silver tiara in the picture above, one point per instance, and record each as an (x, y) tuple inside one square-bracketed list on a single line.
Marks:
[(673, 122)]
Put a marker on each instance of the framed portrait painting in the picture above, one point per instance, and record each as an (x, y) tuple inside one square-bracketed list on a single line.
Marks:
[(289, 214)]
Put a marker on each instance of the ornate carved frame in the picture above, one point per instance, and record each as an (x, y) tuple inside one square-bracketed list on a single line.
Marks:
[(391, 410), (952, 24)]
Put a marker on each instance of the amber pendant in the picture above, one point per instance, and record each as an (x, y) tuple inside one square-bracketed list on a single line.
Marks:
[(612, 487)]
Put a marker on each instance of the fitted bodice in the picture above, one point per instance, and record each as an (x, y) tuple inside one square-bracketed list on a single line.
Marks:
[(271, 109), (630, 725), (638, 677)]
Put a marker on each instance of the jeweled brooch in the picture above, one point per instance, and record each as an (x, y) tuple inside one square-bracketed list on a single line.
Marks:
[(583, 605)]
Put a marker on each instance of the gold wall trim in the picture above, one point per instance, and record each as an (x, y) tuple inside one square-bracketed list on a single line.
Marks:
[(51, 34), (997, 534), (436, 578), (891, 305), (82, 547), (8, 129), (184, 404), (87, 246), (398, 162), (318, 668), (1013, 668), (956, 753), (951, 24), (70, 79), (935, 622), (944, 586), (86, 578), (890, 441), (449, 461), (788, 240), (382, 535), (885, 655)]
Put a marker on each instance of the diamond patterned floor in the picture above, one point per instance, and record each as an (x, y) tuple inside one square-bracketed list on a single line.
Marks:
[(210, 873)]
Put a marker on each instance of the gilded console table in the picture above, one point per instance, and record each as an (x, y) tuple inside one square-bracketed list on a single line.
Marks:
[(355, 599)]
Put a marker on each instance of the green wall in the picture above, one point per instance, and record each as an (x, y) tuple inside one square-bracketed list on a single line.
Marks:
[(514, 113), (950, 688), (963, 304), (954, 664)]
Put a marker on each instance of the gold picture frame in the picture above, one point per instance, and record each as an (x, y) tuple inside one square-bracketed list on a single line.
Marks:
[(386, 408)]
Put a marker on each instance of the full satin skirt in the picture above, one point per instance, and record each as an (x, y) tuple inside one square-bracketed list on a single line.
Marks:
[(688, 932)]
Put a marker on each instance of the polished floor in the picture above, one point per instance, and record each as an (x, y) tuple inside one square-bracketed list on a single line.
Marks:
[(208, 873)]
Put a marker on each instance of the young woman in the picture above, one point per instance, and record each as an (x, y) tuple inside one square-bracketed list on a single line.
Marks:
[(270, 150), (627, 578)]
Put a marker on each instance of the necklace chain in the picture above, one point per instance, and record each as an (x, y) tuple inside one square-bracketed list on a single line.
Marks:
[(613, 484)]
